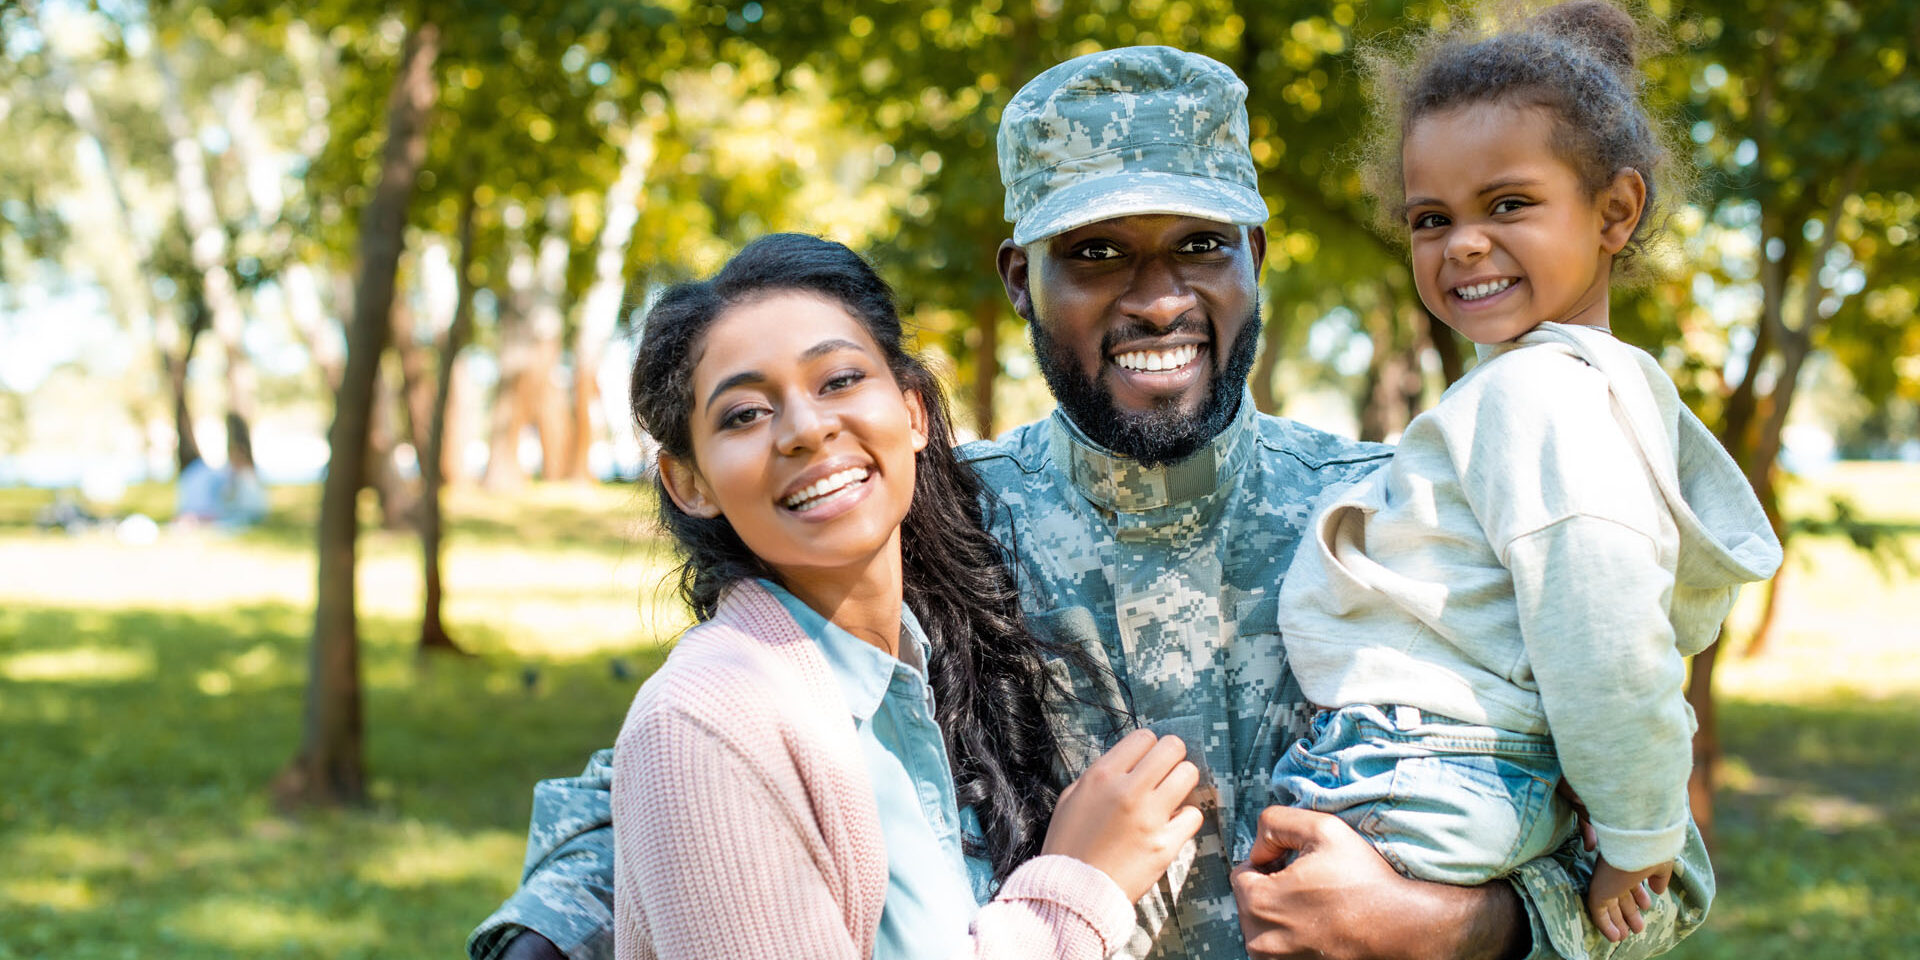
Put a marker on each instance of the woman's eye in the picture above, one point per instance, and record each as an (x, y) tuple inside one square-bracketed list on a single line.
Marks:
[(841, 381), (740, 417)]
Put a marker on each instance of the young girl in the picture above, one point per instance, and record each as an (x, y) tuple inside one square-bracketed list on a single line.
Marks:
[(782, 786), (1510, 600)]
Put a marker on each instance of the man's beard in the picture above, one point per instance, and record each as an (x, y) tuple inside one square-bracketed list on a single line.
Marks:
[(1163, 434)]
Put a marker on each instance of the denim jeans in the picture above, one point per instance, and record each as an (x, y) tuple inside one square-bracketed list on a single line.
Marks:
[(1442, 801)]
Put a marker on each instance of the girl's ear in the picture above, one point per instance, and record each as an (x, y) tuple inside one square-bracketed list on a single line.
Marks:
[(1621, 202), (916, 418), (687, 488)]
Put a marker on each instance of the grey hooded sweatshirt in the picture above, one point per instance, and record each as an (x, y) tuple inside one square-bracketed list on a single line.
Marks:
[(1545, 548)]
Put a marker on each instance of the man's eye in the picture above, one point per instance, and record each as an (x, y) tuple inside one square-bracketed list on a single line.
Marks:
[(1098, 251), (1201, 245)]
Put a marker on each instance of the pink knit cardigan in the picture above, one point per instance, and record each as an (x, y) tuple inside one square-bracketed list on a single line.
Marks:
[(744, 824)]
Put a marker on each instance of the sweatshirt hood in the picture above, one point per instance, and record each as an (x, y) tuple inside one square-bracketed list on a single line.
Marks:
[(1725, 537)]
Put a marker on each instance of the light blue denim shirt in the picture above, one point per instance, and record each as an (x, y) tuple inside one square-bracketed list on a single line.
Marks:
[(931, 885)]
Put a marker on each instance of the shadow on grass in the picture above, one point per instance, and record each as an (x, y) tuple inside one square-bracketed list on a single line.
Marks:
[(1818, 852), (137, 745)]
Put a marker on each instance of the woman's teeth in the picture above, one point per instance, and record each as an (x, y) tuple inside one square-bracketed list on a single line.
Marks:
[(821, 489), (1155, 360), (1480, 291)]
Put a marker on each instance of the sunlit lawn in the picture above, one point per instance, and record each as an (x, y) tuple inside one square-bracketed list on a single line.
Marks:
[(148, 693)]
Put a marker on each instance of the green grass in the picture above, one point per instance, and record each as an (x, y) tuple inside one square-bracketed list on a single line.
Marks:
[(147, 695)]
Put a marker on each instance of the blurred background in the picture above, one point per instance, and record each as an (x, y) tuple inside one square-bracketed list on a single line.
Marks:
[(251, 706)]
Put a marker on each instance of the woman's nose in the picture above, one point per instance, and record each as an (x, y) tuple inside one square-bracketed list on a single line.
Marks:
[(805, 424)]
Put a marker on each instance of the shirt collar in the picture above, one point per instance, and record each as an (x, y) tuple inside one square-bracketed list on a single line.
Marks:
[(1125, 485), (863, 670)]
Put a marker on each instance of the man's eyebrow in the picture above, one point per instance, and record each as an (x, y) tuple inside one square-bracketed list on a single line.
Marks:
[(746, 377)]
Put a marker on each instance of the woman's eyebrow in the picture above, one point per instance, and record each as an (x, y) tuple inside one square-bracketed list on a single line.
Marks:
[(746, 377), (825, 347)]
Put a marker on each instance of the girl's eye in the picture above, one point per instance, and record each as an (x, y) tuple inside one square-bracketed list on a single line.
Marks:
[(1427, 221), (1201, 245), (841, 381), (735, 419), (1509, 205)]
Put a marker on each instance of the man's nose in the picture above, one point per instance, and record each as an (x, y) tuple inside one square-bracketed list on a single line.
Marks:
[(1159, 294)]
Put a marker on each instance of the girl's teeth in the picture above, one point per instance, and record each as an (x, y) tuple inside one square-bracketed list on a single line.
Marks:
[(1482, 290), (1154, 361), (831, 484)]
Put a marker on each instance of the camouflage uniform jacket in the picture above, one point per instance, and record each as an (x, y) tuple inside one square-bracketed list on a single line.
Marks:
[(1169, 576)]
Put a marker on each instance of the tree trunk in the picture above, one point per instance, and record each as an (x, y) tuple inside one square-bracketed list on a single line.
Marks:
[(1705, 778), (1266, 396), (394, 495), (207, 240), (186, 448), (600, 310), (329, 768), (1393, 384), (433, 630), (416, 390), (986, 363), (547, 323), (1446, 343), (515, 349), (1769, 610)]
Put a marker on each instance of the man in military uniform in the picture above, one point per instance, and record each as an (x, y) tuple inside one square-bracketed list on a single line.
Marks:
[(1150, 520)]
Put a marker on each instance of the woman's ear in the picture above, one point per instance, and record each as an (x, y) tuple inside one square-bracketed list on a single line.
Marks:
[(1621, 203), (687, 488), (916, 418)]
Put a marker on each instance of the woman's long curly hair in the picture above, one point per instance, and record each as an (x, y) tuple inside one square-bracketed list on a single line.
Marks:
[(987, 670)]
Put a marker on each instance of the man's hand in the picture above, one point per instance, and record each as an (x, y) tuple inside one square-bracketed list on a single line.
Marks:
[(532, 946), (1339, 899)]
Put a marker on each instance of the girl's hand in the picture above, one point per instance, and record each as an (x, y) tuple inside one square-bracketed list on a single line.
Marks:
[(1616, 897), (1127, 814)]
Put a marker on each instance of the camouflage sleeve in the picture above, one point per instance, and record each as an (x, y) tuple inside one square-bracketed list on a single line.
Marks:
[(1554, 889), (566, 889)]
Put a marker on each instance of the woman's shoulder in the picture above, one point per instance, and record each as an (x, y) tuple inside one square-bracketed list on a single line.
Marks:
[(748, 673)]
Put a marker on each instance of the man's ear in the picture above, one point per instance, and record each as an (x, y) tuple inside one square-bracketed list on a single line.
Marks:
[(1257, 245), (687, 488), (1012, 261), (916, 418), (1621, 203)]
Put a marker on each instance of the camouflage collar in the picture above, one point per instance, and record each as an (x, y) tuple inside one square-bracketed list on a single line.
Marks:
[(1123, 485)]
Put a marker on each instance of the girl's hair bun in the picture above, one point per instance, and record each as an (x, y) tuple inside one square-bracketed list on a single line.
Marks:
[(1605, 30)]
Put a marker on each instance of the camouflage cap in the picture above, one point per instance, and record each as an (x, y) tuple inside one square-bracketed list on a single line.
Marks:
[(1123, 132)]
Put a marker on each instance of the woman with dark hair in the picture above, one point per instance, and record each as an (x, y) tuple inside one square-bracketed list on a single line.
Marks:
[(861, 692)]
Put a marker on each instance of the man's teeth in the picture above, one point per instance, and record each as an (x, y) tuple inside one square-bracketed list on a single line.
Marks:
[(1154, 360), (821, 489), (1481, 290)]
